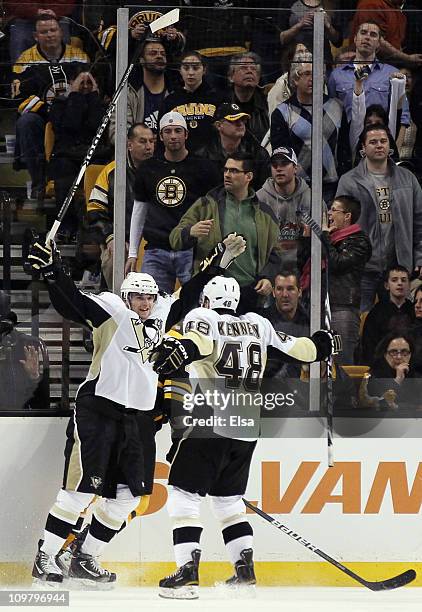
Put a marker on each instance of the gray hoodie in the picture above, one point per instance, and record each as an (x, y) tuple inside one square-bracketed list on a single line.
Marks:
[(287, 210), (406, 209)]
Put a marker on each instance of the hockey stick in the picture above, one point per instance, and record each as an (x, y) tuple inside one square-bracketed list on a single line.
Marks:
[(381, 585), (160, 23), (330, 399)]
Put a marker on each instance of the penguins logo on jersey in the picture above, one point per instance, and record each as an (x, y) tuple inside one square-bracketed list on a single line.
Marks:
[(148, 335), (171, 191)]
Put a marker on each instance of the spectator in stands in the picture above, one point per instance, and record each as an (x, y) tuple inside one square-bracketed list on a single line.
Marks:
[(75, 119), (195, 100), (287, 313), (300, 22), (234, 207), (407, 140), (20, 371), (416, 331), (393, 382), (144, 101), (165, 188), (394, 312), (394, 224), (288, 196), (392, 22), (288, 316), (366, 74), (172, 39), (374, 114), (282, 89), (22, 14), (348, 249), (232, 136), (219, 33), (41, 73), (100, 214), (291, 126), (244, 74)]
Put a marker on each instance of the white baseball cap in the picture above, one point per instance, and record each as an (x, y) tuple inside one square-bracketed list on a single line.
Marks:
[(173, 118)]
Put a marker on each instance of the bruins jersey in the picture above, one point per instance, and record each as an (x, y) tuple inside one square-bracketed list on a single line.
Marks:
[(228, 376), (37, 79), (170, 189)]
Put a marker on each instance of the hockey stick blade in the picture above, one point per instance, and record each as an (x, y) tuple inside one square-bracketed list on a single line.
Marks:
[(165, 21), (381, 585)]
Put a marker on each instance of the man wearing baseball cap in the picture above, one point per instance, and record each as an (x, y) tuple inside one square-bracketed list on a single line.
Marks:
[(165, 187), (232, 136), (288, 196)]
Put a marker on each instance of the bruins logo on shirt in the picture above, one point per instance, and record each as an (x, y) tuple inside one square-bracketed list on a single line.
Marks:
[(171, 191), (144, 17), (148, 335)]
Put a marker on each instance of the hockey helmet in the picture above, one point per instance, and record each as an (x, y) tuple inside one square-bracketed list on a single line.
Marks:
[(222, 293), (138, 282)]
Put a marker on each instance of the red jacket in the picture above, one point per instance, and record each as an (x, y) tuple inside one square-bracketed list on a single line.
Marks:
[(391, 21)]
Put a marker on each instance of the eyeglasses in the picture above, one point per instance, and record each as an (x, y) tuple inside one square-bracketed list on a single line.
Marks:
[(233, 171), (337, 210), (397, 352)]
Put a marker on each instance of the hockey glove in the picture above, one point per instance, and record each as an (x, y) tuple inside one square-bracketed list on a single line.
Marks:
[(327, 343), (224, 253), (45, 259), (171, 355)]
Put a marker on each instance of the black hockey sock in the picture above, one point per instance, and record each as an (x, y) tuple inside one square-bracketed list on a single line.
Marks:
[(237, 538), (58, 527), (100, 531), (185, 541)]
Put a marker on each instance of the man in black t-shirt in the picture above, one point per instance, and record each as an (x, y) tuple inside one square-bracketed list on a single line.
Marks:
[(165, 187)]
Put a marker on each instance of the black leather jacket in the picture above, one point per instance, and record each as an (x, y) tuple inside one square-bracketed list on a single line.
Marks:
[(347, 260)]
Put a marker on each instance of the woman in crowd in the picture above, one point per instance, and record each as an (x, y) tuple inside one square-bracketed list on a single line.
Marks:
[(196, 100), (391, 383), (417, 329)]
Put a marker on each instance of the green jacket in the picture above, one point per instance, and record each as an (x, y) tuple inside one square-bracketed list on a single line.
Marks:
[(211, 206)]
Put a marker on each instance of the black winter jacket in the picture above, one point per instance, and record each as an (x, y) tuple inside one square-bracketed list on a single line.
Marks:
[(347, 260)]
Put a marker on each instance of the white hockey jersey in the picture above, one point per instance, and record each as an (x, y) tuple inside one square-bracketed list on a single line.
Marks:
[(228, 377), (120, 370)]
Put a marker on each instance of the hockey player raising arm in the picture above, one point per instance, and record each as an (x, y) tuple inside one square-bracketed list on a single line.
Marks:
[(224, 352), (110, 450)]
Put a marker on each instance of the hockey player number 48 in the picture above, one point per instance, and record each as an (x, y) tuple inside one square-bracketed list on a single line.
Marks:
[(228, 365)]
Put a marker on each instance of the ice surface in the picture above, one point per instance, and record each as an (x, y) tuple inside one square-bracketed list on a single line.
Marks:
[(267, 599)]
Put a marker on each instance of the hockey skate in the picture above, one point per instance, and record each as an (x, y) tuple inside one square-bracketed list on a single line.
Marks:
[(245, 575), (85, 571), (45, 569), (64, 556), (183, 584)]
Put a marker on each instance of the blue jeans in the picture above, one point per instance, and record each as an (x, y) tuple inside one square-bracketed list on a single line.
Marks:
[(371, 285), (167, 266), (345, 321), (22, 36)]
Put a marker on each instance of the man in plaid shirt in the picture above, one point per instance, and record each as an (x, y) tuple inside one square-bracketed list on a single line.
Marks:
[(291, 126)]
